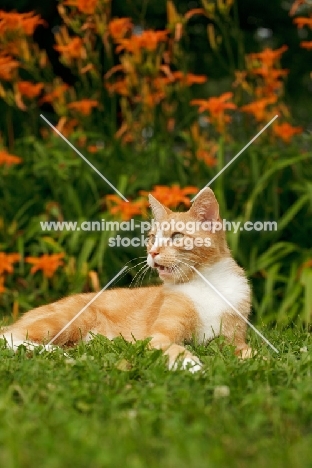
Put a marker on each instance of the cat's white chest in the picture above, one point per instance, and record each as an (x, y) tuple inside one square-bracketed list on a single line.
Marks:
[(210, 306)]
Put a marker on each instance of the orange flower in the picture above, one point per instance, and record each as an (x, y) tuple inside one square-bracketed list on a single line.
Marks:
[(148, 40), (30, 23), (301, 22), (84, 106), (285, 131), (93, 148), (172, 196), (205, 149), (66, 126), (55, 94), (306, 45), (258, 108), (268, 56), (188, 79), (8, 159), (270, 74), (73, 50), (26, 22), (271, 78), (85, 6), (47, 263), (120, 86), (2, 288), (207, 156), (119, 27), (126, 210), (6, 262), (216, 106), (7, 67), (28, 89)]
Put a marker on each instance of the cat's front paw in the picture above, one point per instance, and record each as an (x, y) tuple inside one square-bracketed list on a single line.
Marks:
[(191, 364)]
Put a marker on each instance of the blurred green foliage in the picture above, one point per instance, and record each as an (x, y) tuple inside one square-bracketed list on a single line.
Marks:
[(270, 181)]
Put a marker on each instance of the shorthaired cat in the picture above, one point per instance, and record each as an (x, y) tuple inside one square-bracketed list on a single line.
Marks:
[(182, 308)]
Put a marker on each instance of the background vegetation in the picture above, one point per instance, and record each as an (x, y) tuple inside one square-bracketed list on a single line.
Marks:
[(159, 96)]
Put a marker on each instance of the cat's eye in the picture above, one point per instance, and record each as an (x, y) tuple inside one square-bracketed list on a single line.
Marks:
[(151, 238), (177, 235)]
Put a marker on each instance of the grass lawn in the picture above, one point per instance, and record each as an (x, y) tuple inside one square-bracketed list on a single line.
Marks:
[(113, 404)]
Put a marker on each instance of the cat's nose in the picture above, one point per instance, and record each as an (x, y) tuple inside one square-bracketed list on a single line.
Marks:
[(154, 253)]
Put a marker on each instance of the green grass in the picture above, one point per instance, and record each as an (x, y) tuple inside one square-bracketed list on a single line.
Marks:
[(113, 404)]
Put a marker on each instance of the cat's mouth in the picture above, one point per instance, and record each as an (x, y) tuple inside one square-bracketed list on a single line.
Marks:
[(163, 270)]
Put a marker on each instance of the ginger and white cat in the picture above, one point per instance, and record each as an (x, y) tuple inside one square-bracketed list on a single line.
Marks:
[(182, 308)]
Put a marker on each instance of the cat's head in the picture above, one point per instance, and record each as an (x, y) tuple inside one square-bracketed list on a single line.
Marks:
[(178, 241)]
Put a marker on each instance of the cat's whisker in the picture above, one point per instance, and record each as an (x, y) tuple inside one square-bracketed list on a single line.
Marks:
[(139, 280), (184, 263), (185, 257), (129, 268), (193, 254), (138, 273), (182, 273), (143, 275), (177, 271), (142, 271)]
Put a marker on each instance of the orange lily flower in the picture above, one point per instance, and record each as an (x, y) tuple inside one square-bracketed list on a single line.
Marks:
[(268, 56), (205, 149), (8, 159), (47, 263), (120, 86), (306, 45), (301, 22), (268, 74), (119, 27), (85, 6), (6, 262), (30, 23), (55, 94), (271, 78), (188, 79), (28, 89), (148, 40), (7, 67), (93, 148), (172, 196), (258, 108), (216, 106), (66, 126), (73, 50), (208, 156), (84, 106), (285, 131), (26, 22), (126, 210)]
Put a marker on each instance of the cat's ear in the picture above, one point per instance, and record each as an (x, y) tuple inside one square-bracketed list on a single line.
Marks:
[(159, 211), (205, 206)]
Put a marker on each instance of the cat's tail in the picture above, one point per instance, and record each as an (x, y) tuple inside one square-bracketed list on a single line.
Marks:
[(53, 324)]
